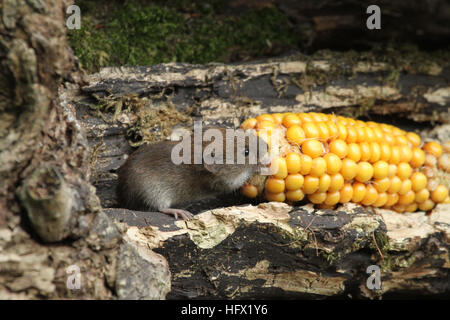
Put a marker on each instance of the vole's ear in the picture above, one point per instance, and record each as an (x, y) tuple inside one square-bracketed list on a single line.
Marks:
[(213, 168)]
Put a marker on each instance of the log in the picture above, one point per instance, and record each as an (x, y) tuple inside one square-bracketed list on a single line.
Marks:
[(274, 250)]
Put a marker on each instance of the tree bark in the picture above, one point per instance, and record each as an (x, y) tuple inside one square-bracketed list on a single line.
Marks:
[(51, 221)]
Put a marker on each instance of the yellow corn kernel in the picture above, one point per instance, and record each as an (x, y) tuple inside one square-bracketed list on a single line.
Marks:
[(433, 148), (385, 151), (401, 140), (311, 130), (332, 198), (359, 191), (334, 163), (352, 136), (278, 197), (291, 119), (411, 207), (400, 208), (346, 193), (439, 194), (342, 132), (392, 170), (337, 182), (295, 134), (360, 134), (312, 148), (370, 197), (339, 147), (324, 183), (407, 198), (419, 181), (406, 187), (365, 171), (395, 185), (389, 139), (281, 168), (395, 155), (249, 191), (274, 185), (349, 169), (417, 158), (382, 185), (265, 117), (379, 135), (333, 130), (404, 170), (319, 166), (295, 195), (306, 164), (370, 135), (305, 117), (324, 133), (405, 153), (354, 152), (294, 181), (422, 196), (278, 117), (426, 205), (249, 124), (293, 162), (366, 153), (310, 184), (318, 197), (266, 124), (375, 152), (380, 169), (381, 200), (392, 199), (414, 139)]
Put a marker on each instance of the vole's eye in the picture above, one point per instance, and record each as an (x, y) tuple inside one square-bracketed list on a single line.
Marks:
[(246, 151)]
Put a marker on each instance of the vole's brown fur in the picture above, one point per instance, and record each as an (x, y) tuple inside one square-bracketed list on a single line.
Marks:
[(149, 179)]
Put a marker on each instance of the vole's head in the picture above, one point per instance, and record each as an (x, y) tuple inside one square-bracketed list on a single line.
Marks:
[(239, 155)]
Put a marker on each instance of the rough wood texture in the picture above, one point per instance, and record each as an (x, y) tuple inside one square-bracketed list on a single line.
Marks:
[(277, 251), (50, 217)]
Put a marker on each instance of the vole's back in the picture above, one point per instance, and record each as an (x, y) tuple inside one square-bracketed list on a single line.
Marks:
[(150, 180)]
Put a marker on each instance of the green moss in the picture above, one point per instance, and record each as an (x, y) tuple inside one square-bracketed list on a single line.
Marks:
[(331, 257), (90, 45), (147, 34), (391, 263)]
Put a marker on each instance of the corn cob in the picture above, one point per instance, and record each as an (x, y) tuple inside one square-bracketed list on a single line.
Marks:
[(333, 159)]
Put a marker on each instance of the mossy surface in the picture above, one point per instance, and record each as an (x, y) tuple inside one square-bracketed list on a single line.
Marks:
[(148, 33)]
